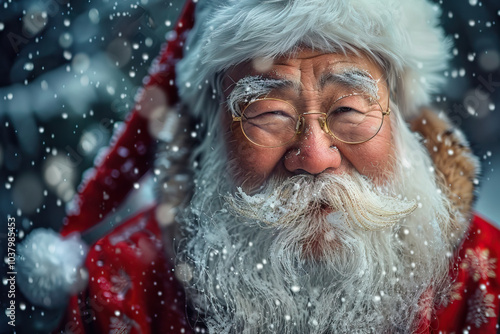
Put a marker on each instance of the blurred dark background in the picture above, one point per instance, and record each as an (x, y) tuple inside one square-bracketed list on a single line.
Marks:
[(69, 72)]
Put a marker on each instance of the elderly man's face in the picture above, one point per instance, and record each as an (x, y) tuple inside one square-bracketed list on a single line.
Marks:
[(313, 89)]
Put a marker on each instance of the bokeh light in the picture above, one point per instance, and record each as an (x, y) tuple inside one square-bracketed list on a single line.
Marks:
[(59, 173), (27, 192)]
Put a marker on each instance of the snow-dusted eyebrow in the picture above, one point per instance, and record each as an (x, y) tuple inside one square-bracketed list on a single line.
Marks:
[(355, 78), (258, 83), (251, 88)]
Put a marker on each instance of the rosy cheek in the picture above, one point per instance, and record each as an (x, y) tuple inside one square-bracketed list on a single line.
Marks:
[(374, 158), (242, 161), (251, 165)]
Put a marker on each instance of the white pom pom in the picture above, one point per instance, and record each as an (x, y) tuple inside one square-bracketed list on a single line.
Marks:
[(50, 267)]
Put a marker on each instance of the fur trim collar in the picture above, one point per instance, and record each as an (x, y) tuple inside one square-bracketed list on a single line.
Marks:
[(456, 167)]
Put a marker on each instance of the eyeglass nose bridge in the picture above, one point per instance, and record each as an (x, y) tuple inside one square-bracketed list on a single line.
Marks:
[(322, 121)]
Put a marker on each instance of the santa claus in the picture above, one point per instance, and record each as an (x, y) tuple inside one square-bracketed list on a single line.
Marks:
[(304, 186)]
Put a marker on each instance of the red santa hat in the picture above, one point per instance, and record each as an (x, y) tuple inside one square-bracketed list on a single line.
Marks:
[(50, 262)]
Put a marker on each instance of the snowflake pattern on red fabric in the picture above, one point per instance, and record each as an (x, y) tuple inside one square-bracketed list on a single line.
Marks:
[(480, 307), (479, 263), (121, 284), (474, 298), (456, 291), (120, 325)]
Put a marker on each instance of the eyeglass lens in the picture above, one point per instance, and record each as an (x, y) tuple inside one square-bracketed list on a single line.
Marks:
[(272, 122)]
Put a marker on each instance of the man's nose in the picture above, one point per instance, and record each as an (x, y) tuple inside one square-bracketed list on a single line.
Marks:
[(314, 151)]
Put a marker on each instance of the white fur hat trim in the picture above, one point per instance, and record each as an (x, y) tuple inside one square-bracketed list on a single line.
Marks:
[(50, 268)]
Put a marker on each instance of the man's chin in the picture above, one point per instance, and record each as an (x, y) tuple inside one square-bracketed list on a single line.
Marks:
[(320, 244), (315, 250)]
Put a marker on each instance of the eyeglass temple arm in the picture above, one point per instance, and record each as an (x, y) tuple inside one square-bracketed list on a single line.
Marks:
[(388, 111)]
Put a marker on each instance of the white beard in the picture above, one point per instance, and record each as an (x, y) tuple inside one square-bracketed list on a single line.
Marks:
[(273, 264)]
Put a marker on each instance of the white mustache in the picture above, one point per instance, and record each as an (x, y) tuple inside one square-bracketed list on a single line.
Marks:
[(353, 198)]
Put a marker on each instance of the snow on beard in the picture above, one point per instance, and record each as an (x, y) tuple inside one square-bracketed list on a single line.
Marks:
[(300, 206), (257, 264)]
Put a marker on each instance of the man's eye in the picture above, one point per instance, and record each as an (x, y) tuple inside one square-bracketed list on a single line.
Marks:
[(345, 109), (267, 114), (269, 110)]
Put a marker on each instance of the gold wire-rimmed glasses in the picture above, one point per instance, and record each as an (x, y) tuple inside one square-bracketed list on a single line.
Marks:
[(352, 119)]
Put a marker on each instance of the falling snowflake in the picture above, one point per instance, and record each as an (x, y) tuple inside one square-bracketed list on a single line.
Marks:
[(481, 308), (479, 263)]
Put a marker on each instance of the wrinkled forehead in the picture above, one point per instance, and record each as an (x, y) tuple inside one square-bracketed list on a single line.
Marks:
[(317, 66)]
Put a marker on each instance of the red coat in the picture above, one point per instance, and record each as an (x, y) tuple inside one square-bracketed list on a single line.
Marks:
[(475, 297), (132, 287)]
